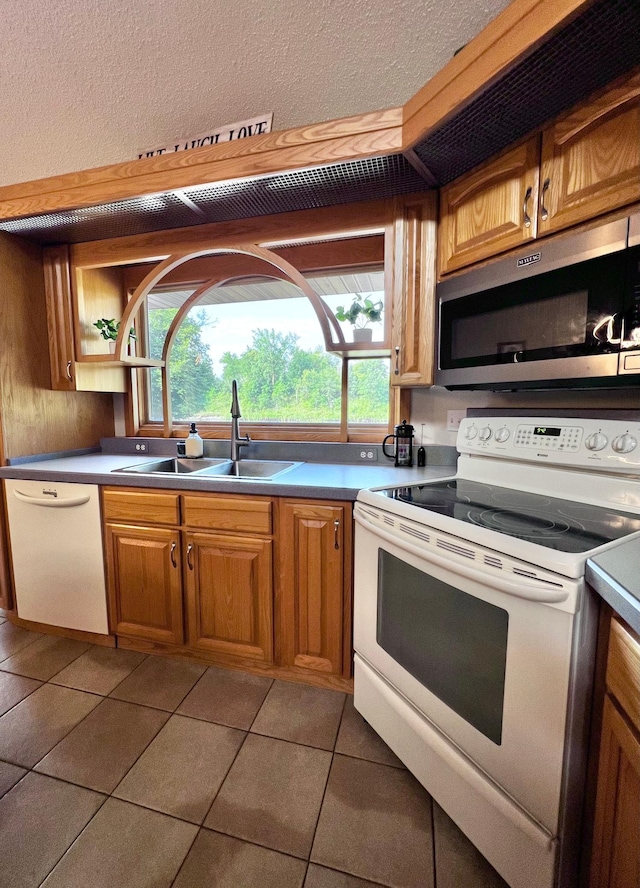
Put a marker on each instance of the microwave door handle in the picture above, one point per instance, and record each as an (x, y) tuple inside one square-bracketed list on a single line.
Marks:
[(606, 324), (519, 589)]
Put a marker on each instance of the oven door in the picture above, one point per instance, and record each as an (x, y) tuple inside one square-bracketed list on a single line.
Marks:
[(481, 652)]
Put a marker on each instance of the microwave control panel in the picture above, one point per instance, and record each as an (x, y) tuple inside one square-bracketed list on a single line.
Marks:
[(614, 444)]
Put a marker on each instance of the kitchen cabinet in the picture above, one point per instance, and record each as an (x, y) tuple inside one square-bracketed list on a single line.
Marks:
[(615, 861), (412, 247), (586, 164), (315, 586)]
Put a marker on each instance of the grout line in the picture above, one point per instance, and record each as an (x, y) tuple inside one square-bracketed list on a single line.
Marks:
[(324, 793)]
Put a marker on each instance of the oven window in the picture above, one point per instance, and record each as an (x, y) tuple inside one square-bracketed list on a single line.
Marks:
[(453, 643)]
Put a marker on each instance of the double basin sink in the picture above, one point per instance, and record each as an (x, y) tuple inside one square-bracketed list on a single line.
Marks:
[(221, 469)]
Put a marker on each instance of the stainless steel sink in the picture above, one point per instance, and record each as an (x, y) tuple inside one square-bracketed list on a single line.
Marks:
[(222, 469), (251, 470), (179, 466)]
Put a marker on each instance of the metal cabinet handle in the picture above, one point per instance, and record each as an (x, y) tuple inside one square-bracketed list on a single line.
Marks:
[(397, 367), (544, 212), (336, 528), (189, 561), (69, 376), (527, 217), (173, 554)]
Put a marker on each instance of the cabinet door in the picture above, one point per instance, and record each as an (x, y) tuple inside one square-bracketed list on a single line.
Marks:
[(616, 842), (57, 282), (491, 209), (144, 578), (230, 595), (412, 243), (315, 586), (591, 158)]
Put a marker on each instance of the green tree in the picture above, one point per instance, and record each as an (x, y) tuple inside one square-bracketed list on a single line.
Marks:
[(369, 390)]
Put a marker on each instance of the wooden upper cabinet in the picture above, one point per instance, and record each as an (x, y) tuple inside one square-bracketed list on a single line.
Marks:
[(144, 582), (315, 586), (591, 158), (491, 209), (229, 595), (411, 241)]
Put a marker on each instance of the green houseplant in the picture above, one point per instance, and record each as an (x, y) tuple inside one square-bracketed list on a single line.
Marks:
[(362, 312), (108, 328)]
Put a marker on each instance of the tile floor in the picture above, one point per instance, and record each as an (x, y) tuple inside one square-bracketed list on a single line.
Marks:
[(119, 770)]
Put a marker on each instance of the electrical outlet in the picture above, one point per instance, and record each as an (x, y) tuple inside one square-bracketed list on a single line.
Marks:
[(454, 418), (140, 447), (369, 455)]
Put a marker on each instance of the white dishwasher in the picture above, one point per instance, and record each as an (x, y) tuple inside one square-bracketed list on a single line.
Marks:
[(56, 550)]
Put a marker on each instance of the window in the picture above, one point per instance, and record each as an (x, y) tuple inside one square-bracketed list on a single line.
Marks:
[(263, 332)]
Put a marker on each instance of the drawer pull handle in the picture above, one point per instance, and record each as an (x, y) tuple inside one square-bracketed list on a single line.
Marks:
[(189, 561), (544, 212), (173, 554), (336, 528), (527, 217)]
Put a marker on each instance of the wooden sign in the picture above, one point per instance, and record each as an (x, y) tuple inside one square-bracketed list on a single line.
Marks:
[(256, 126)]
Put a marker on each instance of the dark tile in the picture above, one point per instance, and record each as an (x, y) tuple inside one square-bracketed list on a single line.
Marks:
[(375, 823), (100, 670), (125, 846), (14, 638), (320, 877), (272, 795), (40, 818), (358, 739), (183, 768), (159, 682), (301, 714), (46, 656), (101, 749), (9, 776), (226, 697), (13, 689), (458, 862), (34, 726), (218, 861)]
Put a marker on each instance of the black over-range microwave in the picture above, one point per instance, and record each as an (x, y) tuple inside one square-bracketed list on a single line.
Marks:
[(565, 312)]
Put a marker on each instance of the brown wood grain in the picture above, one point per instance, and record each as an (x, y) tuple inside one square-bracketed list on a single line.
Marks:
[(623, 670), (507, 39), (482, 212), (35, 418), (140, 506), (230, 595), (591, 156), (144, 582), (235, 513)]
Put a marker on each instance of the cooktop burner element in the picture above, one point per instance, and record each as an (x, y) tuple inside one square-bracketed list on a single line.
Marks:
[(548, 521)]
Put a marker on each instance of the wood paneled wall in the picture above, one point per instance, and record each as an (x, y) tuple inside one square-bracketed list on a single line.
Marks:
[(34, 418)]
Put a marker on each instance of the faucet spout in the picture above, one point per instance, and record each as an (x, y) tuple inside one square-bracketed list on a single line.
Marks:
[(237, 441)]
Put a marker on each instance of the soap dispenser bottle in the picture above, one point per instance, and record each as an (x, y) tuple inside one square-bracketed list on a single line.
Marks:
[(194, 446)]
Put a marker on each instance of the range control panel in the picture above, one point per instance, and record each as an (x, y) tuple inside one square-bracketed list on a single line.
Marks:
[(614, 444)]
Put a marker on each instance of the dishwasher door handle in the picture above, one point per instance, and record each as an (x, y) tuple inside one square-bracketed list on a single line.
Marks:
[(51, 503)]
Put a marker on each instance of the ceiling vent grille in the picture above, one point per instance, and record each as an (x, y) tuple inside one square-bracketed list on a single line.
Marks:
[(585, 55)]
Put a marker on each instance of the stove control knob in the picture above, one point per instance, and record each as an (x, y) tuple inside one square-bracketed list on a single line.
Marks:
[(502, 435), (470, 433), (596, 441), (624, 443), (485, 433)]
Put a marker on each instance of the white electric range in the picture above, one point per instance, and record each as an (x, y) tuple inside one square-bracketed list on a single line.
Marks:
[(475, 632)]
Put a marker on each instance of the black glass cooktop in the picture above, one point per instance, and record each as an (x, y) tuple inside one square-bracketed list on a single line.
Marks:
[(545, 520)]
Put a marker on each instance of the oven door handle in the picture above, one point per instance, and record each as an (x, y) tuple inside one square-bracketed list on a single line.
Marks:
[(512, 587)]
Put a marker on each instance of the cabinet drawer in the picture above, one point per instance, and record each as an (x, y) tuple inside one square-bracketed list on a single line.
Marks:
[(227, 513), (623, 669), (141, 506)]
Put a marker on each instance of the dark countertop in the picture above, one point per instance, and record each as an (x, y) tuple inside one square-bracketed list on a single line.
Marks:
[(313, 480), (615, 575)]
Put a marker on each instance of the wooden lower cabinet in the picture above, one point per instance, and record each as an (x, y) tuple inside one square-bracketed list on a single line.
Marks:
[(145, 584), (615, 861), (315, 586), (230, 595)]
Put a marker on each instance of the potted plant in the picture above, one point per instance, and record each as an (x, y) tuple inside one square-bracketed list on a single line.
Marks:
[(108, 328), (362, 312)]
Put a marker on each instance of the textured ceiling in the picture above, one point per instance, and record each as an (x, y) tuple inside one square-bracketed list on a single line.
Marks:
[(84, 84)]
